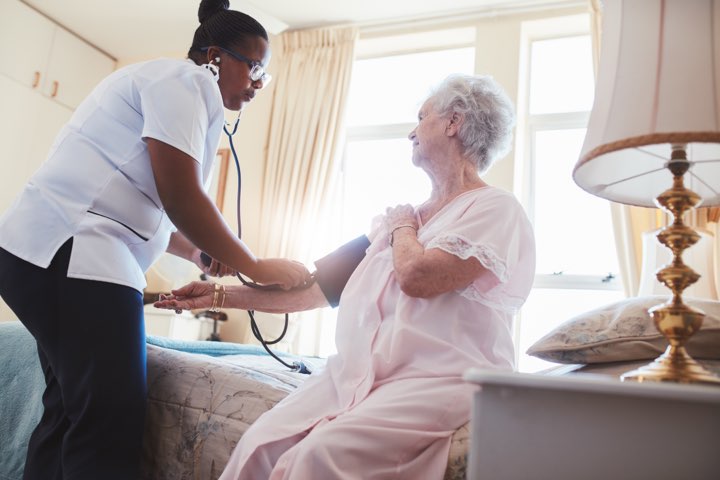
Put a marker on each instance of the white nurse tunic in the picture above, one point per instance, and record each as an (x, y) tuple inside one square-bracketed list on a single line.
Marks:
[(97, 185)]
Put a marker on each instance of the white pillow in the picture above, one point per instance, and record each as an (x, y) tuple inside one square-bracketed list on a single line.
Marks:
[(623, 331)]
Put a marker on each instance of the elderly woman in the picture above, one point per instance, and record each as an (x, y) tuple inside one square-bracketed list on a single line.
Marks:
[(434, 295)]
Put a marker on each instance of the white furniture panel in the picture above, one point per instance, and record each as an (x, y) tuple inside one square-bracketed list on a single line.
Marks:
[(180, 326), (591, 427), (28, 126), (74, 69), (46, 58), (25, 41)]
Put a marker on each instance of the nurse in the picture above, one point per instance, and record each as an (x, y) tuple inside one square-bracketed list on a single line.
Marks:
[(123, 183)]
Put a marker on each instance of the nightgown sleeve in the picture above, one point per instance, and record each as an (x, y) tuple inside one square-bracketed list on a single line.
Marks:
[(495, 231)]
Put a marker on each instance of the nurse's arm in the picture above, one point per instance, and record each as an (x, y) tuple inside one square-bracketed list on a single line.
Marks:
[(178, 179), (181, 247)]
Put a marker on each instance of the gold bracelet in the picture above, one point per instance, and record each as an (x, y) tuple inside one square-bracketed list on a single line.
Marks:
[(397, 228), (214, 308), (222, 301)]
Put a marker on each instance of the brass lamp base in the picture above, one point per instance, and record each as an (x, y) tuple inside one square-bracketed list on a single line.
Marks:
[(675, 365), (675, 320)]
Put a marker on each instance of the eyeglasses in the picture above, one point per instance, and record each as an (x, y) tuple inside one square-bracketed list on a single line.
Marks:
[(257, 71)]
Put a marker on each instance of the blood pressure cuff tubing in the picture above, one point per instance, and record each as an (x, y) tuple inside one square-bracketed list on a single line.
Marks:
[(334, 270)]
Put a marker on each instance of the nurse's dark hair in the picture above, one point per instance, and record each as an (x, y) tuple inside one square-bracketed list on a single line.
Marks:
[(222, 27)]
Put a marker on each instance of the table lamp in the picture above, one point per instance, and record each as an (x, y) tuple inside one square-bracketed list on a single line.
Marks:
[(653, 140)]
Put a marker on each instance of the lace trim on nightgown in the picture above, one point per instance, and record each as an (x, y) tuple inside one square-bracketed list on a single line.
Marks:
[(462, 247), (508, 304)]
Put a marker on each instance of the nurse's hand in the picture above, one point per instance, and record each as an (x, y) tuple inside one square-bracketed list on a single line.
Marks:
[(284, 273), (215, 269), (192, 296)]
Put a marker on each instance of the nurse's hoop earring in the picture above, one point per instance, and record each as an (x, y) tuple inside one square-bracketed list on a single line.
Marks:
[(213, 69)]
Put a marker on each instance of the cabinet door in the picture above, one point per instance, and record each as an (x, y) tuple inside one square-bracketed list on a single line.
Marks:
[(49, 118), (28, 126), (25, 40), (16, 124), (75, 68)]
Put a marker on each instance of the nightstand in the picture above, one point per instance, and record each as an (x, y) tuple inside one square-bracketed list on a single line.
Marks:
[(587, 427), (213, 317), (181, 326)]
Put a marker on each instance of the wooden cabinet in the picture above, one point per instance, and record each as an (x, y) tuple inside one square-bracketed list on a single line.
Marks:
[(46, 58)]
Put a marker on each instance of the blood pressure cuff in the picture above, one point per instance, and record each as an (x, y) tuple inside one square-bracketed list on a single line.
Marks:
[(334, 270)]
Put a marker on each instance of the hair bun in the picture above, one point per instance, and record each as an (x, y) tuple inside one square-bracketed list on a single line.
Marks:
[(208, 8)]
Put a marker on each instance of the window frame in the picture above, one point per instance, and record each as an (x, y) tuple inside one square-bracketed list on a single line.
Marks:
[(525, 160), (525, 153)]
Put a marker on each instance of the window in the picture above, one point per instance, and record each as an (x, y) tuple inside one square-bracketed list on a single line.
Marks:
[(577, 267)]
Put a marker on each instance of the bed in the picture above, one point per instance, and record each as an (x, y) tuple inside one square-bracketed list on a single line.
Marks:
[(200, 405), (202, 396)]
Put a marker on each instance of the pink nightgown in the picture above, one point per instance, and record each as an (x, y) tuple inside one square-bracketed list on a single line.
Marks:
[(386, 406)]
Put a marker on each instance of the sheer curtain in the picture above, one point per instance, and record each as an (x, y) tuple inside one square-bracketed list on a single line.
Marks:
[(305, 140), (630, 222)]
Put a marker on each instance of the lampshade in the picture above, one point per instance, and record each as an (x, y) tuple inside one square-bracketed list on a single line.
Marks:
[(658, 84)]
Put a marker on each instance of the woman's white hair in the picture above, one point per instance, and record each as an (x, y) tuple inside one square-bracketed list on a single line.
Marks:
[(489, 116)]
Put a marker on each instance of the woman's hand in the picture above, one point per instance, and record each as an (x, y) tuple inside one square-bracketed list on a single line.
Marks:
[(286, 274), (192, 296), (400, 215), (215, 269)]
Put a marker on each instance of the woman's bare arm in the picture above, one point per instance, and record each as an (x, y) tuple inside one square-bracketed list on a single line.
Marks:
[(200, 295), (424, 273)]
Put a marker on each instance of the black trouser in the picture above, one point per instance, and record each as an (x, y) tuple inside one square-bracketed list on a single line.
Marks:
[(91, 344)]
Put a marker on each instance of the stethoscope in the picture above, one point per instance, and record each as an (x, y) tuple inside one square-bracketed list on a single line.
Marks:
[(297, 366)]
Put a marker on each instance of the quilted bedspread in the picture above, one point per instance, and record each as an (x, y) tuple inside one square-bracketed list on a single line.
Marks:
[(199, 407)]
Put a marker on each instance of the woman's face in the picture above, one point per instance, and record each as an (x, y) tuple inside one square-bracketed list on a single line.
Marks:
[(236, 86), (427, 135)]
